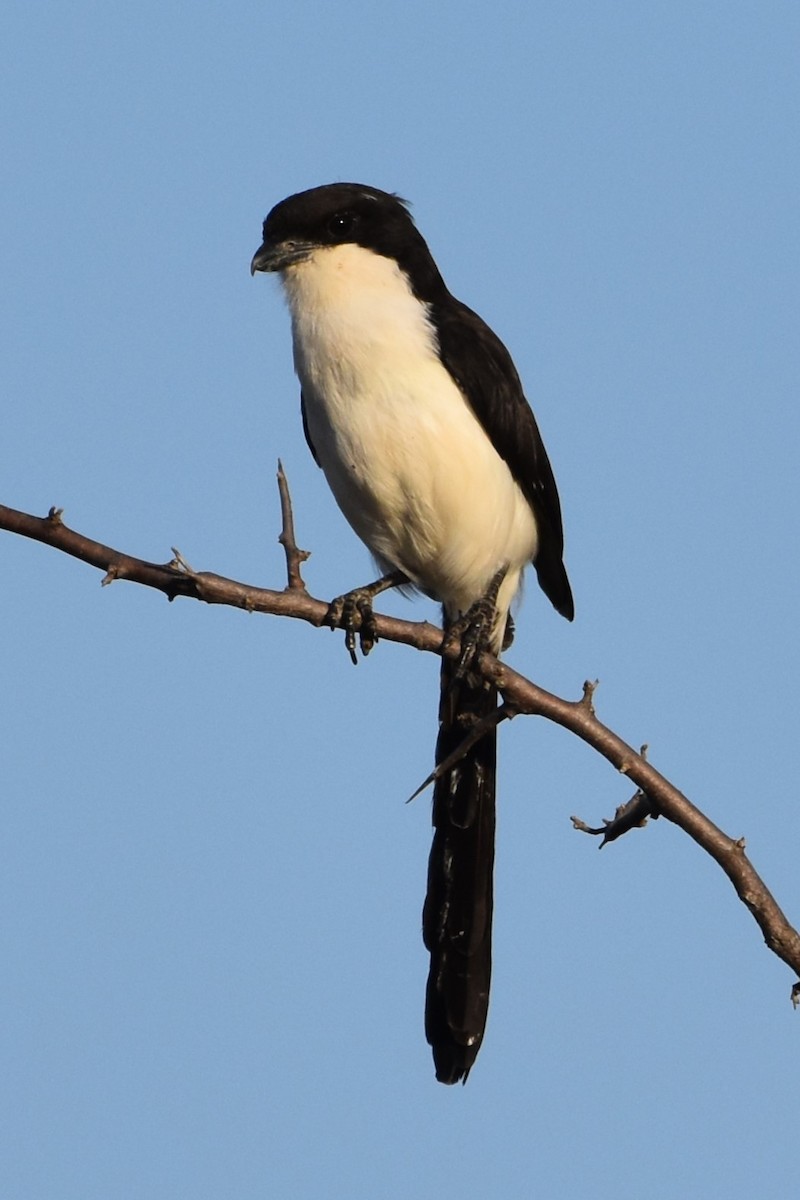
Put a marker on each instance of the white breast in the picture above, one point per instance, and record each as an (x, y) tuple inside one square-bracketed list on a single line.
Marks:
[(408, 462)]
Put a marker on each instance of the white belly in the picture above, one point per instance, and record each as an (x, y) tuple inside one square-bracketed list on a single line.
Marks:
[(407, 460)]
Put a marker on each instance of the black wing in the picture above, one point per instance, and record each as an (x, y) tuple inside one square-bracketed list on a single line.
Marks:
[(309, 442), (484, 371)]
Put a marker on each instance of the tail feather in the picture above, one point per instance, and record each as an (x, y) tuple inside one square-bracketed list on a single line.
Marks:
[(457, 918)]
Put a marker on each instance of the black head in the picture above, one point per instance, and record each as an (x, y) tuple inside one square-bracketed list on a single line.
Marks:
[(348, 213)]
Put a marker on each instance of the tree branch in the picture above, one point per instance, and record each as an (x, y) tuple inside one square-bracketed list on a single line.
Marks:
[(655, 796)]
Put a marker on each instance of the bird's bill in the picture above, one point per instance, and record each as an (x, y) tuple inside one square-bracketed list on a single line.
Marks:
[(277, 257)]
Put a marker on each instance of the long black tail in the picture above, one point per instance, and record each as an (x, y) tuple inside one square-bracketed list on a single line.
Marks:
[(457, 918)]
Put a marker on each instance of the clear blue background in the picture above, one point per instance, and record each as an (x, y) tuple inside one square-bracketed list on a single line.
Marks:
[(210, 887)]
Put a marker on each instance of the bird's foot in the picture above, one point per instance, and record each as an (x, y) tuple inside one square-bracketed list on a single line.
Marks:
[(474, 628), (353, 613)]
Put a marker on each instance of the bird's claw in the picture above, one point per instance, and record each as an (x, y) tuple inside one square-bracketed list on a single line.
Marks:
[(353, 613), (475, 627)]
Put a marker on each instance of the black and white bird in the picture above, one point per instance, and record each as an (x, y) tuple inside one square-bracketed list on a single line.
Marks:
[(415, 412)]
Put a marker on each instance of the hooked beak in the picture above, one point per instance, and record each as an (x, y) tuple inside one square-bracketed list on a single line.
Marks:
[(270, 257)]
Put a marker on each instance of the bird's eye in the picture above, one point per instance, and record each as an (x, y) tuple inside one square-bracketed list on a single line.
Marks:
[(342, 224)]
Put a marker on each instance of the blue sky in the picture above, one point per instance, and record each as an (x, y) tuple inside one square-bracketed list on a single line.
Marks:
[(210, 886)]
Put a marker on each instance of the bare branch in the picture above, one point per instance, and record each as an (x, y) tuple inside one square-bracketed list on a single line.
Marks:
[(779, 935), (656, 795), (294, 556)]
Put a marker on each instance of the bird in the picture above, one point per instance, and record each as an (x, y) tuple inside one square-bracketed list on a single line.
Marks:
[(414, 410)]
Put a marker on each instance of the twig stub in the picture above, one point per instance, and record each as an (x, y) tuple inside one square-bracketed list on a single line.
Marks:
[(294, 555)]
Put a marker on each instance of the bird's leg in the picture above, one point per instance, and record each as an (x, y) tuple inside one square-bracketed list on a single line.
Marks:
[(353, 612), (475, 627)]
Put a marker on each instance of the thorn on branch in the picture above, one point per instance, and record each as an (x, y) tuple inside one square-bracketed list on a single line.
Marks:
[(504, 712), (631, 815), (179, 566), (587, 700), (294, 556), (179, 563), (627, 764), (55, 515)]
